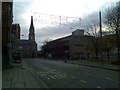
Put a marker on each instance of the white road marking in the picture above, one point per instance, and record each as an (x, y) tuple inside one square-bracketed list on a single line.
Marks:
[(48, 78), (56, 76), (108, 78), (72, 76), (52, 77), (83, 81), (112, 80), (98, 86)]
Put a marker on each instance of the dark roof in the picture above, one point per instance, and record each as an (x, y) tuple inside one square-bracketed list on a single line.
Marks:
[(67, 37), (78, 30), (62, 38)]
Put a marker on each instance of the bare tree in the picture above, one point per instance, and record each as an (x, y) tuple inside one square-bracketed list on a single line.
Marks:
[(108, 41), (46, 41), (113, 22), (92, 30), (44, 47)]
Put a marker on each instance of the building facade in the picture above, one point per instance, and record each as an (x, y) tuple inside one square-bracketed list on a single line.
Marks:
[(16, 30), (74, 46), (78, 45), (15, 36), (7, 19), (29, 47), (0, 25)]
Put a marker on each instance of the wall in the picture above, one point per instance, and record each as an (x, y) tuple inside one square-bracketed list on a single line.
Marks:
[(78, 46)]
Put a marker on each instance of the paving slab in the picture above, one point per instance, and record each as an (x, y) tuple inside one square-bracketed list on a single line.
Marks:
[(6, 84), (16, 77), (19, 85)]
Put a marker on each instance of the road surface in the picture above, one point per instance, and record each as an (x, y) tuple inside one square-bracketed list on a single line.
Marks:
[(57, 74)]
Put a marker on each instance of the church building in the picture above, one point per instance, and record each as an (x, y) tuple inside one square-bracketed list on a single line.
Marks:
[(29, 47)]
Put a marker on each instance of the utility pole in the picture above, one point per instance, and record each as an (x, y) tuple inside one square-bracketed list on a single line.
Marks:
[(60, 20), (101, 49)]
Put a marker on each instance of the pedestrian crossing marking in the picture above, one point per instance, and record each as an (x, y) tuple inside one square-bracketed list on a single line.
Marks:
[(83, 81)]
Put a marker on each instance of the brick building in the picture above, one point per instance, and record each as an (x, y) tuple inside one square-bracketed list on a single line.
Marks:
[(7, 19), (73, 46), (15, 36), (16, 30)]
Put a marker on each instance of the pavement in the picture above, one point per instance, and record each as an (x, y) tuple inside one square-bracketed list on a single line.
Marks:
[(19, 77), (95, 64)]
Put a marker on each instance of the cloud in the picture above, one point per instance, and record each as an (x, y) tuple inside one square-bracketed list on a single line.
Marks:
[(67, 29)]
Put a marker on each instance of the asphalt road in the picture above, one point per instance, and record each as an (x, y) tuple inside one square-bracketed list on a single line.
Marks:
[(57, 74)]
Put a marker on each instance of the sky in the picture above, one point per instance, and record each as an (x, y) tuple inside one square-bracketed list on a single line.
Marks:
[(56, 18)]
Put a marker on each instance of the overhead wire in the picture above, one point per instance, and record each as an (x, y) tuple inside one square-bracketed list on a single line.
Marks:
[(50, 15)]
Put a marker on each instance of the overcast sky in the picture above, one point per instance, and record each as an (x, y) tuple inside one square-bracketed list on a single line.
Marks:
[(56, 18)]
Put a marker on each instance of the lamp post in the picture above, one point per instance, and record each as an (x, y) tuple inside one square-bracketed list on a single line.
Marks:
[(101, 38)]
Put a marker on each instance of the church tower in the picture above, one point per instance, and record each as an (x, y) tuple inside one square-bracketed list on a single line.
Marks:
[(29, 46), (31, 30)]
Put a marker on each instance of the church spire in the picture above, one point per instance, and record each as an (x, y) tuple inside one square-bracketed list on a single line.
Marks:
[(31, 30), (31, 22)]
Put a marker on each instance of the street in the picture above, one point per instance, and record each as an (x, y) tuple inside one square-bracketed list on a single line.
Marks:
[(57, 74)]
